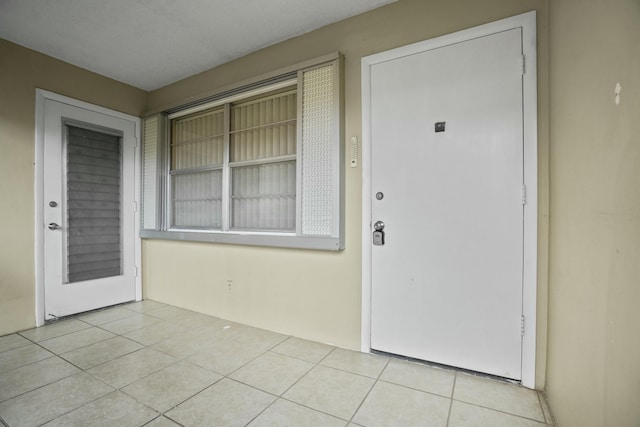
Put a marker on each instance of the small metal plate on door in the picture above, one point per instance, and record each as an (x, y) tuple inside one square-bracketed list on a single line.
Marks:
[(439, 127)]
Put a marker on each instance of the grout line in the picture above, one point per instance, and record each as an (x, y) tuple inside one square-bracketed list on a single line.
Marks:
[(502, 411), (43, 385), (453, 389), (271, 349), (58, 336), (544, 416), (370, 390), (542, 398)]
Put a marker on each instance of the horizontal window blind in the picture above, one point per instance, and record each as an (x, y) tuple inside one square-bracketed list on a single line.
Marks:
[(94, 170)]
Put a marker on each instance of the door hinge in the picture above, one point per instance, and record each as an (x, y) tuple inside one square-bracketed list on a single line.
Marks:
[(523, 63), (522, 325), (135, 271), (524, 194), (135, 206)]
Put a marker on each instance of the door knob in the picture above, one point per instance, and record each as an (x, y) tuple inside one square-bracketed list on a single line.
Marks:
[(378, 226), (53, 226)]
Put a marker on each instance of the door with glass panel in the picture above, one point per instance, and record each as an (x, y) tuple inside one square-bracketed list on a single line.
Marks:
[(89, 209)]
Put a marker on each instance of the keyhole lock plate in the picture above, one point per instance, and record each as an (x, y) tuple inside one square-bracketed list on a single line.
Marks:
[(378, 234), (378, 238)]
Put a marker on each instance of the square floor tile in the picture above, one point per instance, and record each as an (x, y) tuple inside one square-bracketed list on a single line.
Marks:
[(127, 369), (155, 333), (331, 391), (9, 342), (283, 413), (187, 344), (258, 338), (101, 352), (49, 402), (271, 372), (369, 365), (105, 316), (202, 321), (498, 395), (76, 340), (466, 415), (171, 386), (226, 356), (225, 404), (390, 405), (144, 306), (130, 323), (55, 329), (22, 356), (30, 377), (418, 376), (305, 350), (169, 312), (114, 409), (162, 422)]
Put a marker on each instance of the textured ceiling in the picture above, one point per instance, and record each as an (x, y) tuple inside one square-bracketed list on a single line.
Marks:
[(152, 43)]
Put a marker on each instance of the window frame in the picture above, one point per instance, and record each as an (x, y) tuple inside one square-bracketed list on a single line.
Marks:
[(160, 191)]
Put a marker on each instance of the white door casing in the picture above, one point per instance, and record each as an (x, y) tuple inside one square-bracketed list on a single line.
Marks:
[(57, 294), (449, 283)]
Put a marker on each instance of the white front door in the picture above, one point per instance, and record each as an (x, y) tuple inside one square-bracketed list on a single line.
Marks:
[(447, 182), (88, 209)]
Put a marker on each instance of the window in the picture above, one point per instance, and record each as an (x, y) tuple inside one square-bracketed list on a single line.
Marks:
[(259, 165)]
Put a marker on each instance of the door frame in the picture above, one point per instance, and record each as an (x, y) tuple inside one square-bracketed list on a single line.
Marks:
[(41, 96), (527, 23)]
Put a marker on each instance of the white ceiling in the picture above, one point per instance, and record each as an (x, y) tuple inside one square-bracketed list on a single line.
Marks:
[(152, 43)]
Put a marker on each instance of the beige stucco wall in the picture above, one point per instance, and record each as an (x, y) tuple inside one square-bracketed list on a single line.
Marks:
[(594, 269), (21, 72), (314, 294)]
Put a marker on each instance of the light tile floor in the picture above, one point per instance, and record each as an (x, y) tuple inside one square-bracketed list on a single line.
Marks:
[(157, 365)]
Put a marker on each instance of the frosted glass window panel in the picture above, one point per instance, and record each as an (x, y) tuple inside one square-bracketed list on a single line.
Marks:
[(264, 128), (264, 197), (197, 199), (198, 140), (318, 159), (150, 154), (94, 191)]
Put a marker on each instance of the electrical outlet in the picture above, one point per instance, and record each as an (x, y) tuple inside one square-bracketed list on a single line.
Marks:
[(229, 284)]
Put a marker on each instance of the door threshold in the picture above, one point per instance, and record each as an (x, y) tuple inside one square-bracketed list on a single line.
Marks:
[(69, 316), (446, 367)]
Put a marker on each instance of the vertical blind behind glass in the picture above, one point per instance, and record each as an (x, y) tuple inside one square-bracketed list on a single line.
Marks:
[(93, 205), (263, 160), (197, 151)]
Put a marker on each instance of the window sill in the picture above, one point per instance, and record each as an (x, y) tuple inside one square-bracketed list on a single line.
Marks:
[(280, 240)]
